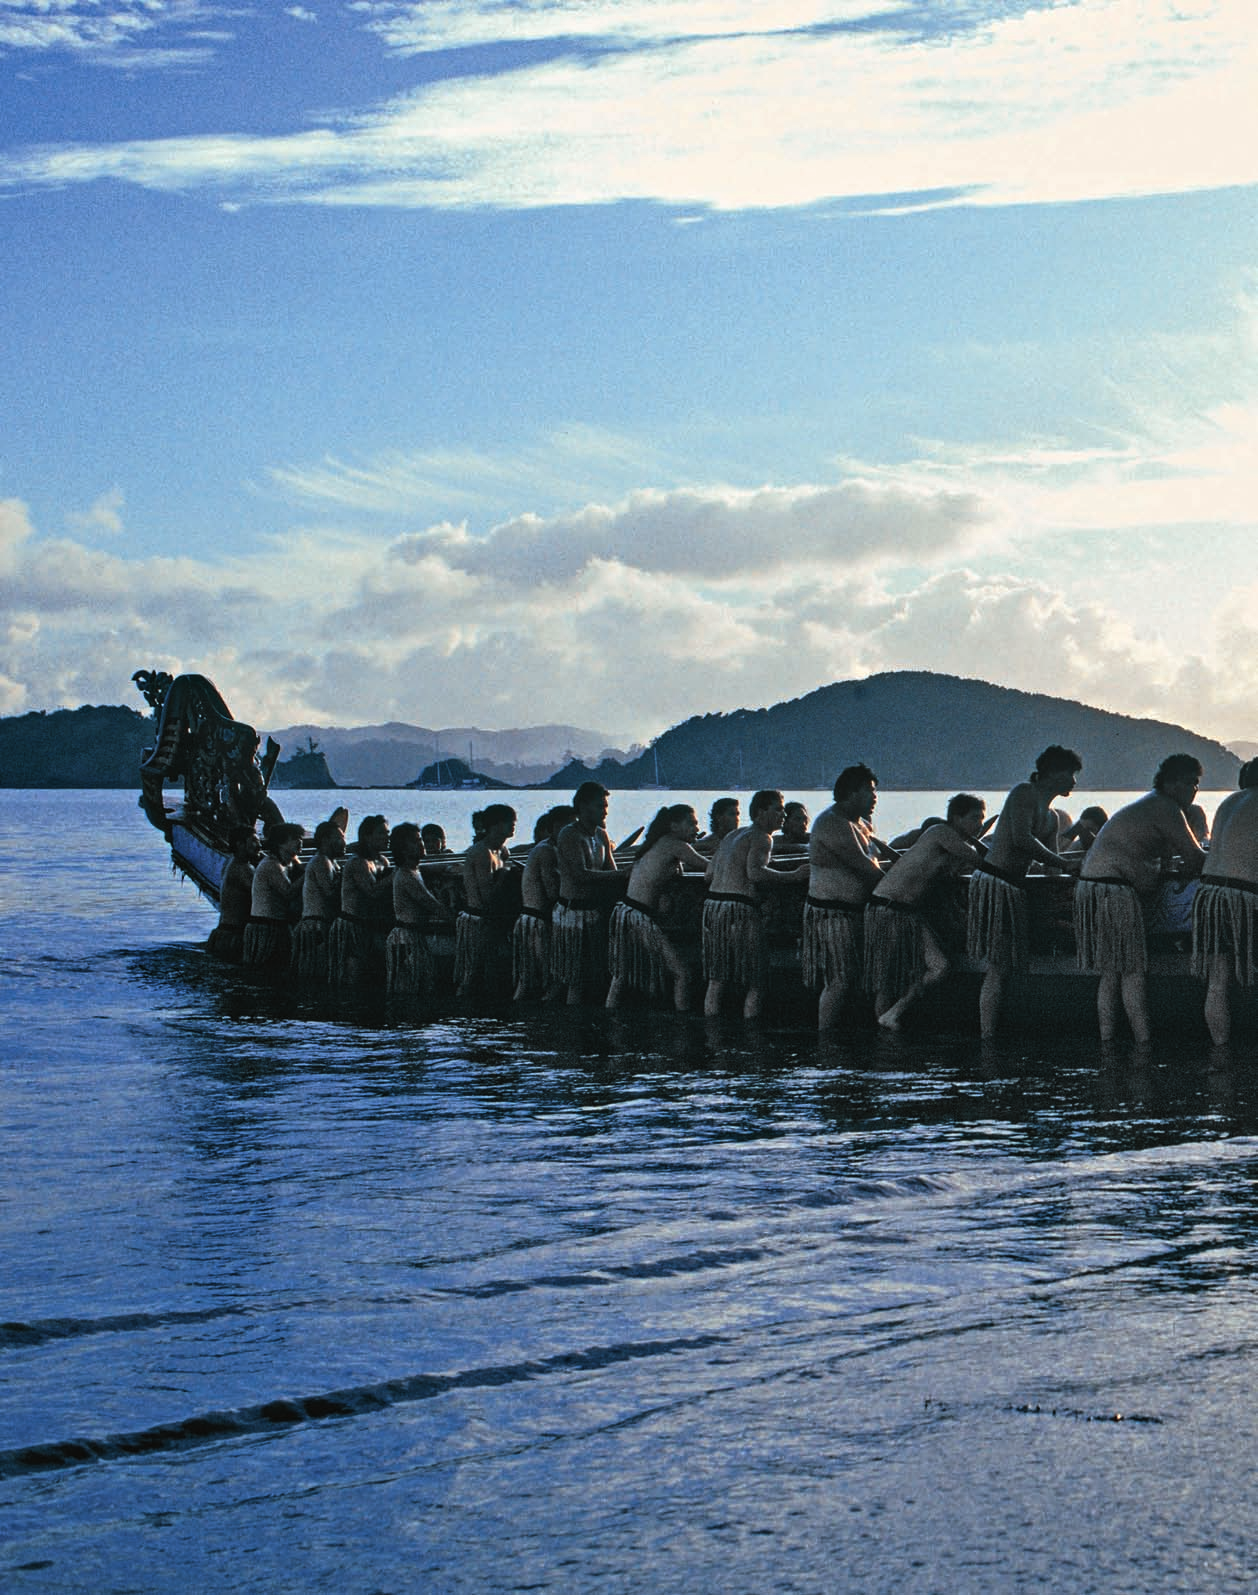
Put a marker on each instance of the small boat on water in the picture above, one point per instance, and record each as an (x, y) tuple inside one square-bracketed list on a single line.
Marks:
[(225, 775)]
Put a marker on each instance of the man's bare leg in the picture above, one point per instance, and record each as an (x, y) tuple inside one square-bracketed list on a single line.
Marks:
[(1109, 1005), (614, 993), (712, 998), (892, 1018), (1136, 1003), (831, 1003), (1219, 1001), (754, 1004), (991, 997)]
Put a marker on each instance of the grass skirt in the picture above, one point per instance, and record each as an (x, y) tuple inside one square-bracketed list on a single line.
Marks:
[(997, 929), (474, 940), (408, 965), (310, 949), (893, 949), (227, 944), (735, 946), (530, 954), (355, 952), (635, 951), (1109, 929), (268, 944), (1225, 925), (831, 950), (578, 946)]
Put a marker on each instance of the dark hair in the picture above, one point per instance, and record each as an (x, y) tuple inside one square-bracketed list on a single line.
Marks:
[(324, 830), (1055, 757), (285, 832), (768, 799), (1247, 775), (239, 834), (432, 831), (1177, 767), (495, 814), (589, 792), (368, 824), (963, 803), (662, 824), (1094, 811), (720, 806), (796, 807), (852, 779), (553, 821), (407, 834)]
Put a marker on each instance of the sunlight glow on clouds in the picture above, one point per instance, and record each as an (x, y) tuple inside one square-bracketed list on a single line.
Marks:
[(1076, 101), (334, 628)]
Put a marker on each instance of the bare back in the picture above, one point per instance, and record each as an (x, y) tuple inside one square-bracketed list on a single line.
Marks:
[(539, 888), (1234, 839), (740, 861), (1134, 844), (1025, 832), (481, 867), (938, 852), (413, 903)]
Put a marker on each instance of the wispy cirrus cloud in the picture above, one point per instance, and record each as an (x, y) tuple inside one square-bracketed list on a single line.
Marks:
[(1082, 100)]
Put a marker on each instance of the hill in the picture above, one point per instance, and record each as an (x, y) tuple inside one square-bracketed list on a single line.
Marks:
[(919, 731), (87, 747)]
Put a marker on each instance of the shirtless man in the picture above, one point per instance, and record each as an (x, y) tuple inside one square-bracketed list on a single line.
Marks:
[(227, 939), (795, 825), (1225, 914), (844, 873), (481, 921), (356, 941), (639, 952), (320, 901), (735, 946), (578, 925), (723, 817), (1119, 879), (408, 966), (1026, 833), (275, 899), (539, 892), (904, 955)]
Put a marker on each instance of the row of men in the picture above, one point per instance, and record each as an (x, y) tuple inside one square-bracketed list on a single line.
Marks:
[(868, 921)]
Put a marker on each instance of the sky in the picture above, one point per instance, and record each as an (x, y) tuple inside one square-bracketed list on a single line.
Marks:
[(612, 361)]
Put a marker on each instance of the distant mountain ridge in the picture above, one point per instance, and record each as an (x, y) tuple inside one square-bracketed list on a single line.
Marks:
[(394, 754)]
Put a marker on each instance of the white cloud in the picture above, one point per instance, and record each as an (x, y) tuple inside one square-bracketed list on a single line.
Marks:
[(333, 627), (1078, 100), (125, 34), (105, 515)]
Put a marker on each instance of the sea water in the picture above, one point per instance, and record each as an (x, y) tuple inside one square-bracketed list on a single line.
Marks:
[(296, 1296)]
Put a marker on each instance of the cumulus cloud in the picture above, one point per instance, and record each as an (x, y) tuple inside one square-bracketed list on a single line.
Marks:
[(1078, 100), (628, 631), (718, 535), (105, 515)]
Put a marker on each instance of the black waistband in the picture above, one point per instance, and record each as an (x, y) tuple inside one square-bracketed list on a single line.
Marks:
[(986, 867), (732, 897), (641, 908), (535, 913), (268, 919), (896, 908), (1234, 881), (833, 905), (1106, 880)]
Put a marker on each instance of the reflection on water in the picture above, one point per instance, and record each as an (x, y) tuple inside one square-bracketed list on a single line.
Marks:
[(297, 1295)]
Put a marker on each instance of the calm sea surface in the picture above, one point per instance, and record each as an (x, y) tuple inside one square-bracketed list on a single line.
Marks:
[(294, 1296)]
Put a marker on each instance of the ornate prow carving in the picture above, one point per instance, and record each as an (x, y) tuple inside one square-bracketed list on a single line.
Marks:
[(197, 739)]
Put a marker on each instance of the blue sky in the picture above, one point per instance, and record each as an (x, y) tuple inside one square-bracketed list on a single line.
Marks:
[(615, 360)]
